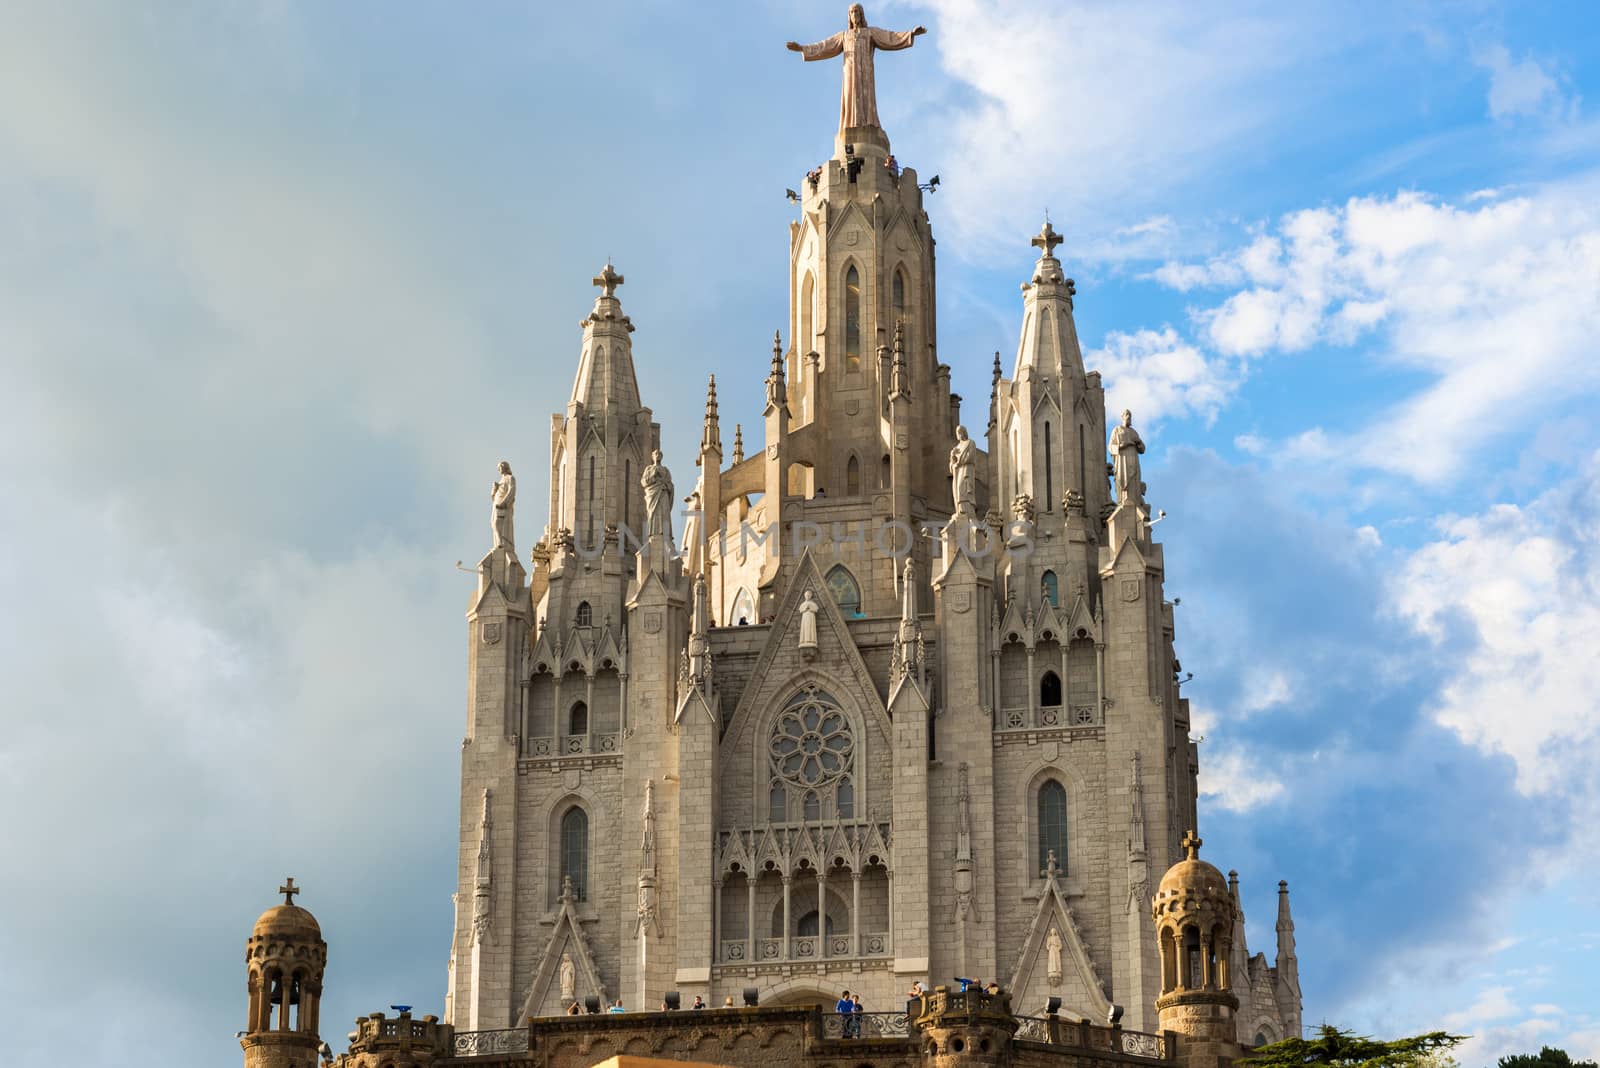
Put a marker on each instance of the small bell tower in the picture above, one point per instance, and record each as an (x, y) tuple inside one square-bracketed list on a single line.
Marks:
[(285, 958), (1194, 914)]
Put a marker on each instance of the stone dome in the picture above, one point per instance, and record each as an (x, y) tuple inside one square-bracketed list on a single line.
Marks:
[(288, 919), (1192, 884)]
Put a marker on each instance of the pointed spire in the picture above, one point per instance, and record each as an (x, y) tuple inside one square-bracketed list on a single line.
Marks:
[(711, 432), (777, 391), (1285, 922), (908, 654), (738, 443)]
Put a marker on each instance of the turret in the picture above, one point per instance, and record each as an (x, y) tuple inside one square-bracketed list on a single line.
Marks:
[(381, 1041), (1194, 918), (284, 959)]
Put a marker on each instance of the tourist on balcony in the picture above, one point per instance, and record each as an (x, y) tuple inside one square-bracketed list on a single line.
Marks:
[(698, 1004), (727, 1002), (846, 1010), (616, 1006)]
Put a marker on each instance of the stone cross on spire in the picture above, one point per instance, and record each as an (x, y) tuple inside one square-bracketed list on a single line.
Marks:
[(288, 890), (1191, 845), (608, 280), (1047, 239)]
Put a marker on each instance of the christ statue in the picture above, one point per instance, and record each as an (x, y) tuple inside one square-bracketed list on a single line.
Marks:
[(858, 97)]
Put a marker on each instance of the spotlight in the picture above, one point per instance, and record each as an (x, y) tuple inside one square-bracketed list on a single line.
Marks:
[(1052, 1006), (752, 997), (672, 1000), (930, 186), (1114, 1017), (791, 196), (592, 1004)]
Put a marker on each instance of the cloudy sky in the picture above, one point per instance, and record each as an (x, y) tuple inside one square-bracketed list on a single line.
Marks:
[(279, 283)]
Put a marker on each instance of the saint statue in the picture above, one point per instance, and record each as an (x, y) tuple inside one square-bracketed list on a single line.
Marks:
[(808, 621), (858, 97), (963, 486), (1126, 446), (569, 978), (1052, 945), (657, 483), (504, 496)]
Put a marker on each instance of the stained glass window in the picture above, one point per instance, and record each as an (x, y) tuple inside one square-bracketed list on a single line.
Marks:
[(1052, 825), (852, 320), (575, 850), (811, 749), (844, 591)]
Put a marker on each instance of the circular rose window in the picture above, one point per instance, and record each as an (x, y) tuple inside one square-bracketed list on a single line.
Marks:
[(811, 743)]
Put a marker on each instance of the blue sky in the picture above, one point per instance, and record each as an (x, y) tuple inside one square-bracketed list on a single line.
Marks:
[(279, 283)]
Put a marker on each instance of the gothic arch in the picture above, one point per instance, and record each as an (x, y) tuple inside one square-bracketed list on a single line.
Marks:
[(860, 725), (852, 307), (1072, 782), (857, 768), (554, 815), (852, 476), (844, 589)]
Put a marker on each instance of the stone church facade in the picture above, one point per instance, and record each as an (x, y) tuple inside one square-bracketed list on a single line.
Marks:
[(878, 705)]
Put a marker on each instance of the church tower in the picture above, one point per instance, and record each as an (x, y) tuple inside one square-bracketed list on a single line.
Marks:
[(284, 958), (901, 704), (1194, 915)]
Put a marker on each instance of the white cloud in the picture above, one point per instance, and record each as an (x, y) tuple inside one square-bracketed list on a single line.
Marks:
[(1110, 105), (1517, 589), (1231, 780), (1430, 287), (1521, 88), (1159, 375)]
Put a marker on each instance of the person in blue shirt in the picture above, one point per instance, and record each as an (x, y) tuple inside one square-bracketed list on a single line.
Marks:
[(846, 1010)]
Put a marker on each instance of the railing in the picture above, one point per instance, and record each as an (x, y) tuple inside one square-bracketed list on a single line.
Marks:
[(866, 1025), (1061, 1032), (1049, 717), (414, 1029), (573, 745), (486, 1043), (809, 947)]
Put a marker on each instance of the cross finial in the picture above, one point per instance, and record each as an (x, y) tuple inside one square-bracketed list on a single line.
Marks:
[(1047, 239), (288, 890), (1191, 845), (608, 280)]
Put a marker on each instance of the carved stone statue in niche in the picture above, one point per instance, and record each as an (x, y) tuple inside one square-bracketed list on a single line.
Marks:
[(808, 621), (1052, 945), (569, 978)]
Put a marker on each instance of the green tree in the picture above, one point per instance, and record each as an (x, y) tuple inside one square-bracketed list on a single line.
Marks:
[(1334, 1048), (1547, 1057)]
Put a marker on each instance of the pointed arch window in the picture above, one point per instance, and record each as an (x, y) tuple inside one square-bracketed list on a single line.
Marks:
[(1050, 696), (808, 299), (585, 615), (575, 850), (897, 303), (852, 319), (744, 609), (852, 477), (845, 592), (1047, 588), (885, 476), (778, 803), (1052, 816), (578, 718), (844, 799), (1049, 471)]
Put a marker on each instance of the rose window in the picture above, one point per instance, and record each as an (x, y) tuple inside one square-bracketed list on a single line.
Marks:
[(811, 743)]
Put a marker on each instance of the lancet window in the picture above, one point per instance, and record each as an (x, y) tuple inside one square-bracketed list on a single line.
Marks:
[(575, 850), (1052, 825), (852, 319), (810, 758)]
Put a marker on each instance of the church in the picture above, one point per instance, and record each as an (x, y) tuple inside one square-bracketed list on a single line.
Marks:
[(883, 701)]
